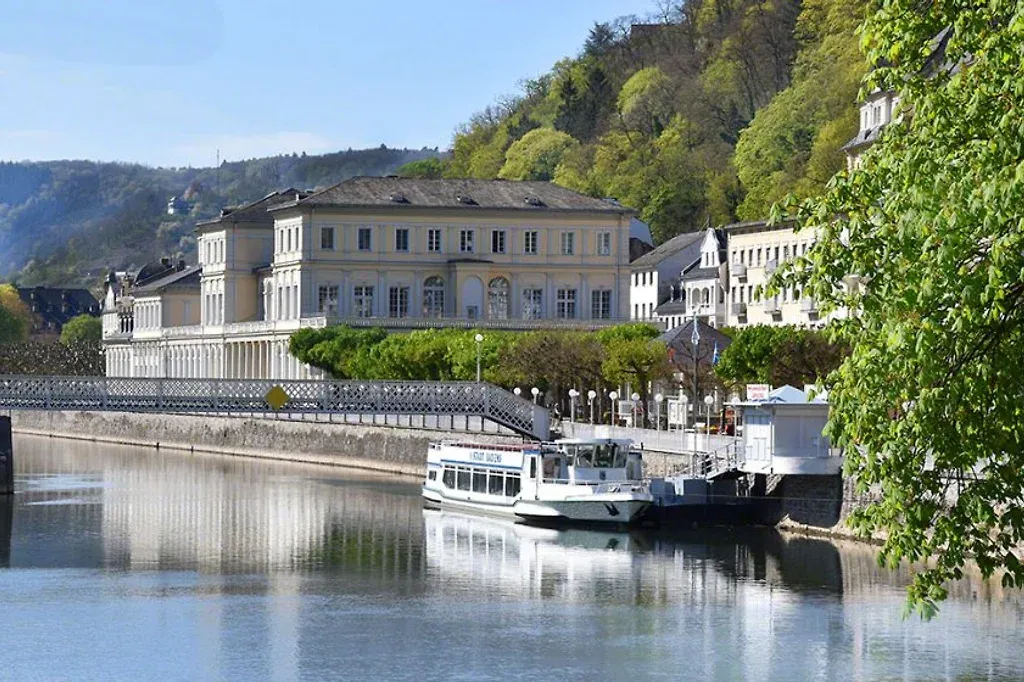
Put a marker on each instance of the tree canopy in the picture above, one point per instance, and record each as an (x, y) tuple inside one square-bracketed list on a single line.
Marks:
[(82, 329), (778, 356), (15, 317), (925, 244)]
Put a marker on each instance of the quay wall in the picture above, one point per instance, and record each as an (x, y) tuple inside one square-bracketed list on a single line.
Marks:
[(380, 448)]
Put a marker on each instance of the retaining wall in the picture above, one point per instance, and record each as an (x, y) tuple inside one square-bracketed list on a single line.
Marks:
[(391, 449)]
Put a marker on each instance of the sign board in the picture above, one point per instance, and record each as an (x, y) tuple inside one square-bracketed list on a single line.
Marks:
[(276, 397), (758, 393)]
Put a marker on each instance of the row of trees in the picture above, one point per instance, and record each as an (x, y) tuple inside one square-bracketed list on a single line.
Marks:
[(552, 361), (557, 361)]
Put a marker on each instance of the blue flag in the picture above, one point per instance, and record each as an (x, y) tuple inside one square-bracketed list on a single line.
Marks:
[(714, 356)]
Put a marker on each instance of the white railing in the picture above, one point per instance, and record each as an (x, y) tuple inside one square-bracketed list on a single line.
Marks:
[(247, 396)]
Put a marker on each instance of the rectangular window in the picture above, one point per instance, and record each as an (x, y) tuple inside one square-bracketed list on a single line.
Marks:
[(327, 299), (362, 301), (533, 304), (495, 483), (531, 240), (364, 240), (604, 243), (398, 301), (512, 483), (327, 238), (601, 305), (462, 479), (288, 242), (497, 241), (448, 477), (479, 481), (402, 239), (434, 240), (566, 304), (466, 241), (568, 243)]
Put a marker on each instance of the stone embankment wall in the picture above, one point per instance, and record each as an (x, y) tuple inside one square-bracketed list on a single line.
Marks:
[(819, 505), (380, 448)]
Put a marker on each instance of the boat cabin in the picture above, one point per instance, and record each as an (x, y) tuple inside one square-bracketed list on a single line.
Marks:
[(587, 461)]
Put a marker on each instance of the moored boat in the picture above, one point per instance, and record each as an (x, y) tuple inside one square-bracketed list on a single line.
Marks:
[(594, 481)]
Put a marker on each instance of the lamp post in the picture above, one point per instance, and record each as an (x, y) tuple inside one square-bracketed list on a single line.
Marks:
[(518, 391), (536, 392), (479, 339), (657, 410), (573, 394), (683, 400), (613, 396), (591, 394), (709, 400), (694, 341), (636, 409)]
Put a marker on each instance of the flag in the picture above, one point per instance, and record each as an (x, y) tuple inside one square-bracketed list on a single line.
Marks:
[(714, 356)]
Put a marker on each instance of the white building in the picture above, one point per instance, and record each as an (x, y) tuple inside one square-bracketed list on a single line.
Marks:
[(655, 278), (390, 252), (876, 112)]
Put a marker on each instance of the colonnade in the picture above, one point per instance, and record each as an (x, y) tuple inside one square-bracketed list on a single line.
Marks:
[(202, 359)]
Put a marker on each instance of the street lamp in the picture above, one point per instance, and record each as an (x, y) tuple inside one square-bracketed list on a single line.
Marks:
[(573, 394), (636, 409), (536, 392), (657, 410), (709, 400), (479, 339), (613, 396), (591, 394), (518, 391), (683, 400)]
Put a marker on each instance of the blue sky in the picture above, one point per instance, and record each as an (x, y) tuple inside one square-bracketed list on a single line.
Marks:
[(168, 82)]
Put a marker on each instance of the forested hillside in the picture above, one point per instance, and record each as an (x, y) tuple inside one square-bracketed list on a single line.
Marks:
[(66, 222), (710, 113)]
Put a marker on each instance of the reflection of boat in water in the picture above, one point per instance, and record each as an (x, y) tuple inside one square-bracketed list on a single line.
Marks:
[(576, 480)]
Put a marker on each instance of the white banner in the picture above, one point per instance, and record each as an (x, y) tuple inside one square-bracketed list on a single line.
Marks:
[(758, 393)]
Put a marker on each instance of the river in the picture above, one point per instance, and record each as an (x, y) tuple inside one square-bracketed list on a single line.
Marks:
[(131, 563)]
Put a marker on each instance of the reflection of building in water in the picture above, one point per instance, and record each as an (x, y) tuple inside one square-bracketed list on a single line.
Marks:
[(6, 509)]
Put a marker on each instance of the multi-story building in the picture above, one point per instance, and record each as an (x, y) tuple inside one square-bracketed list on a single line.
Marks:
[(876, 112), (654, 279), (52, 308), (390, 252)]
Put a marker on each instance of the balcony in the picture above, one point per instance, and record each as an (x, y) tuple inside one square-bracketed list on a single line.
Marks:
[(771, 306), (738, 270), (809, 306)]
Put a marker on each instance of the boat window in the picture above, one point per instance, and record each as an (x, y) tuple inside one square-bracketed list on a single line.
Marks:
[(463, 478), (432, 475), (550, 470), (533, 467), (495, 482), (604, 455), (479, 481), (621, 454), (584, 457), (448, 478), (512, 485)]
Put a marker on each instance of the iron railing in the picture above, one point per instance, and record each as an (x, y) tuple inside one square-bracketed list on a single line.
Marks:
[(227, 396)]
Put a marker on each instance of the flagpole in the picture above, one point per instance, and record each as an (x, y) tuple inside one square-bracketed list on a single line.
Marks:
[(695, 339)]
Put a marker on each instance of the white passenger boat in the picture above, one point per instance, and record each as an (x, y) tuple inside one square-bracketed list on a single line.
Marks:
[(572, 480)]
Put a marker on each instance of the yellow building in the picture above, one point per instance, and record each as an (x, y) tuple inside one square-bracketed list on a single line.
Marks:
[(392, 252)]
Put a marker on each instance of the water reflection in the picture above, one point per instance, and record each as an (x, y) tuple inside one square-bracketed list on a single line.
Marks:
[(211, 567)]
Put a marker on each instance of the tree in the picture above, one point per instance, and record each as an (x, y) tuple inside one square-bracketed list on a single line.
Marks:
[(333, 349), (536, 155), (82, 329), (926, 244), (778, 356), (15, 317), (423, 168), (634, 356)]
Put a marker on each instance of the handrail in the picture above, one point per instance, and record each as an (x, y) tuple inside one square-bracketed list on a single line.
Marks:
[(131, 394)]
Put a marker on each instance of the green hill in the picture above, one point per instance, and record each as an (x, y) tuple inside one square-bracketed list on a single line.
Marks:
[(712, 113), (65, 223)]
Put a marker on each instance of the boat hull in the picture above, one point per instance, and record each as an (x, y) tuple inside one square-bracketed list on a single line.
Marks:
[(620, 509)]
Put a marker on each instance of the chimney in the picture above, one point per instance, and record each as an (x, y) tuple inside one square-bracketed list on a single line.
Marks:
[(181, 265), (165, 261)]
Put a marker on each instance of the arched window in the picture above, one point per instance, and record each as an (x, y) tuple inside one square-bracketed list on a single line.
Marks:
[(433, 297), (706, 296), (497, 299)]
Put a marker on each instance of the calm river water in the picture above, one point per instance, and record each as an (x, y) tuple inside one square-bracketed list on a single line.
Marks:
[(126, 563)]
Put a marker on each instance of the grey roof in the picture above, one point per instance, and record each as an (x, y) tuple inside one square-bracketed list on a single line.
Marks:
[(187, 278), (679, 338), (671, 308), (255, 211), (667, 249), (393, 192), (700, 273), (864, 138)]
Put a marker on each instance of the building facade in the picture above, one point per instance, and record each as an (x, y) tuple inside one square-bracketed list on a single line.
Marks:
[(389, 252)]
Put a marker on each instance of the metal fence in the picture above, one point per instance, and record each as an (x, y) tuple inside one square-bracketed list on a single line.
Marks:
[(482, 400)]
